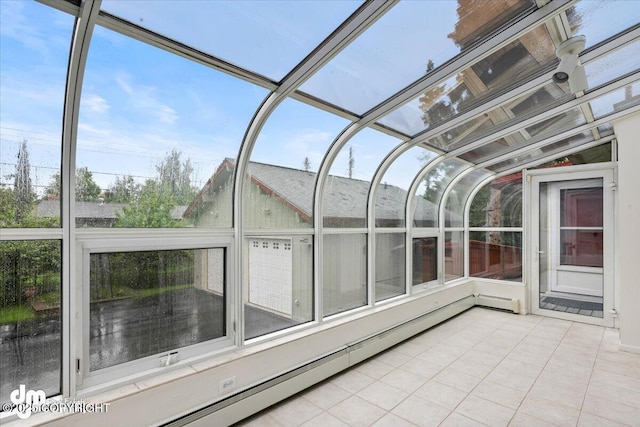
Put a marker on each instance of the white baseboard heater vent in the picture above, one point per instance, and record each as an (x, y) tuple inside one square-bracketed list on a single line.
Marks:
[(250, 401), (510, 304)]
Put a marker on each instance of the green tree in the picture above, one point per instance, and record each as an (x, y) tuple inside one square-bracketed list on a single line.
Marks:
[(23, 194), (175, 177), (124, 190), (152, 209), (86, 188), (52, 190)]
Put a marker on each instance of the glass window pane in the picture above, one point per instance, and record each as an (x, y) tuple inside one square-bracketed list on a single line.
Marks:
[(495, 255), (30, 323), (581, 207), (457, 198), (391, 195), (425, 260), (269, 38), (531, 156), (453, 255), (618, 100), (436, 181), (347, 187), (498, 203), (581, 248), (279, 284), (344, 272), (35, 42), (612, 66), (279, 189), (586, 18), (390, 265), (375, 66), (150, 142), (145, 303), (515, 62)]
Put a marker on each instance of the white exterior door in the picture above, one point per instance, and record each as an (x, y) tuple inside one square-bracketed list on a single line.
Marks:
[(571, 250)]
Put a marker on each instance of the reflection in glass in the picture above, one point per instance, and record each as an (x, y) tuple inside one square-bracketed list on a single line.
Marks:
[(344, 283), (498, 203), (615, 101), (613, 65), (453, 255), (279, 283), (425, 260), (390, 265), (455, 204), (30, 322), (156, 151), (495, 255), (35, 42), (145, 303), (436, 181), (411, 39), (586, 18), (581, 248)]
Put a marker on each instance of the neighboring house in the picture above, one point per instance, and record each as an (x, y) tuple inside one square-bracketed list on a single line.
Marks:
[(93, 214)]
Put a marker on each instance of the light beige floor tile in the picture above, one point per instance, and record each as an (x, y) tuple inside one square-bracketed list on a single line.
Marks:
[(442, 355), (357, 412), (516, 381), (420, 367), (352, 381), (325, 420), (614, 393), (473, 368), (590, 420), (294, 412), (393, 358), (484, 411), (550, 411), (455, 379), (521, 419), (500, 394), (519, 367), (326, 395), (441, 394), (410, 349), (616, 367), (572, 371), (611, 410), (374, 368), (382, 395), (392, 420), (457, 420), (404, 380), (521, 355), (420, 412), (572, 396)]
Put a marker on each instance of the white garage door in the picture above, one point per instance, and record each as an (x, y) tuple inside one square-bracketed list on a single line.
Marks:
[(270, 274)]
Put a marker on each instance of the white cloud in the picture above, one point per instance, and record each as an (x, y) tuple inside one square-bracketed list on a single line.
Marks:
[(95, 103)]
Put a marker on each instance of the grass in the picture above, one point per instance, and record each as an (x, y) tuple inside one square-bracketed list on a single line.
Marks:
[(14, 314)]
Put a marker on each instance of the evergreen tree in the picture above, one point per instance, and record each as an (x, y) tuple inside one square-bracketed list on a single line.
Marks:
[(306, 164), (352, 162), (23, 194), (174, 176)]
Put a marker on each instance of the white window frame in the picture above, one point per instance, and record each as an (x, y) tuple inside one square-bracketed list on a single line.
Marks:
[(134, 240)]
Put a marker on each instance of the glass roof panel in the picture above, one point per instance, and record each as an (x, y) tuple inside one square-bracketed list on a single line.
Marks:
[(618, 100), (567, 120), (395, 185), (545, 151), (618, 63), (288, 181), (428, 196), (34, 54), (408, 41), (454, 208), (347, 187), (513, 63), (266, 37), (470, 131), (588, 17)]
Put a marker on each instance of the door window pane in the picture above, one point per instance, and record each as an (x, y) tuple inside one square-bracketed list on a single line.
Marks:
[(581, 248), (30, 334), (145, 303), (581, 207)]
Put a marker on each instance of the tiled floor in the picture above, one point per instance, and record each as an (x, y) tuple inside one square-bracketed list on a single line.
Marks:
[(483, 367)]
